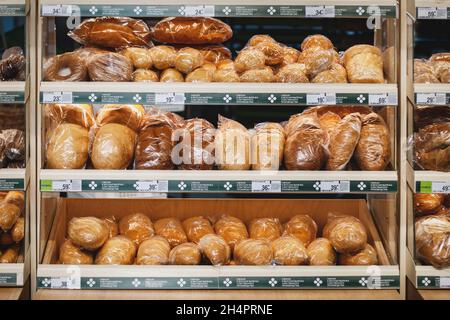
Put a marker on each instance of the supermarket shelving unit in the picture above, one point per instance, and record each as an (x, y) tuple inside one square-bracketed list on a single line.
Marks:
[(14, 278), (223, 282), (425, 282)]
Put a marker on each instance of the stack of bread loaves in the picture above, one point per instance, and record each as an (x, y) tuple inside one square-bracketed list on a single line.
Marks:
[(432, 228), (434, 70), (12, 225), (227, 241)]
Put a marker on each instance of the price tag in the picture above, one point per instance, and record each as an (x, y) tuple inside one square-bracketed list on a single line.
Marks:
[(431, 13), (169, 98), (66, 185), (440, 187), (199, 11), (444, 282), (380, 99), (334, 186), (57, 97), (152, 186), (320, 98), (58, 10), (266, 186), (58, 283), (430, 98), (320, 12)]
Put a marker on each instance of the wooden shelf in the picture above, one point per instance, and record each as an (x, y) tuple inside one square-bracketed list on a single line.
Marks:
[(11, 293), (223, 8), (219, 93), (218, 181)]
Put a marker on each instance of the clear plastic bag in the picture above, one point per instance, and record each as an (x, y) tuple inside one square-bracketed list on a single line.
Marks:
[(253, 252), (267, 145), (110, 67), (366, 257), (373, 151), (172, 230), (137, 227), (289, 251), (265, 228), (232, 145), (153, 251), (188, 59), (89, 233), (426, 115), (343, 141), (197, 227), (321, 253), (185, 254), (231, 229), (12, 147), (427, 203), (118, 250), (112, 32), (432, 147), (347, 234), (424, 72), (13, 65), (191, 30), (306, 143), (364, 64), (71, 254), (433, 240), (292, 73), (301, 227), (215, 249), (441, 65)]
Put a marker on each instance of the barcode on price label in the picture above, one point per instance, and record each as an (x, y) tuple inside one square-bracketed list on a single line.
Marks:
[(57, 97), (430, 98), (320, 98), (199, 11), (66, 185), (56, 10), (440, 187), (444, 282), (334, 186), (266, 186), (432, 13), (152, 186), (320, 12), (169, 98)]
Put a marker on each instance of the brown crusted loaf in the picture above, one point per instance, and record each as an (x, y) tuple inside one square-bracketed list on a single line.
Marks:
[(426, 115), (258, 75), (265, 228), (71, 254), (110, 67), (321, 253), (112, 32), (316, 41), (366, 257), (9, 213), (198, 137), (89, 233), (137, 227), (250, 58), (215, 249), (292, 73), (267, 145), (346, 233), (214, 53), (197, 227), (154, 142), (65, 67), (329, 120), (188, 59), (441, 66), (306, 143), (195, 30), (341, 111), (185, 254), (427, 203), (153, 251), (424, 72), (364, 64), (231, 229), (253, 252), (343, 140), (79, 114), (118, 250), (301, 227), (171, 229), (432, 147), (289, 251), (433, 240), (373, 151), (335, 74)]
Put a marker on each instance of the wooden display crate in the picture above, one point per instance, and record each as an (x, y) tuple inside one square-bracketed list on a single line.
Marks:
[(53, 275)]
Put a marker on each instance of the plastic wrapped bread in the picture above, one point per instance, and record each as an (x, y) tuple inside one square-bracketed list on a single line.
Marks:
[(231, 229), (424, 72), (225, 72), (188, 59), (292, 73), (112, 32), (163, 57), (343, 140), (172, 230), (364, 64), (89, 233), (329, 120), (289, 251), (139, 57), (232, 145), (265, 228), (191, 30), (426, 115), (196, 228), (301, 227), (427, 203), (68, 67), (71, 254), (215, 249), (306, 143), (373, 151), (267, 145), (321, 253), (115, 139), (250, 58), (118, 250), (113, 226), (273, 51), (253, 252), (441, 65), (432, 147), (335, 74), (317, 60), (153, 251), (9, 213), (11, 254), (258, 75), (347, 234), (433, 240), (316, 41), (185, 254), (110, 67), (144, 75), (366, 257), (137, 227)]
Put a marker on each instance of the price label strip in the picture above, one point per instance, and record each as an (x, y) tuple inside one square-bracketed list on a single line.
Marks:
[(444, 282), (266, 186), (320, 12), (199, 11), (320, 98), (334, 186), (58, 10), (57, 97), (431, 98), (432, 13), (152, 186), (382, 99), (440, 187), (63, 186), (169, 98)]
